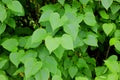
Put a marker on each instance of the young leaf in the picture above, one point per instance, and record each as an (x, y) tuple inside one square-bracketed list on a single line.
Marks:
[(2, 28), (10, 44), (43, 74), (52, 43), (32, 66), (91, 40), (16, 7), (73, 71), (89, 19), (108, 28), (3, 13), (106, 3), (16, 56), (55, 20), (38, 35), (67, 42), (61, 1)]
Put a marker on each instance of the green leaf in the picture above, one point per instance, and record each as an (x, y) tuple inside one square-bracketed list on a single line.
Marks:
[(103, 14), (11, 23), (117, 45), (117, 34), (16, 7), (81, 63), (106, 3), (51, 64), (45, 16), (2, 28), (55, 21), (91, 40), (7, 1), (113, 76), (38, 35), (84, 2), (3, 13), (43, 74), (3, 77), (113, 41), (115, 8), (81, 78), (67, 42), (59, 52), (100, 70), (89, 19), (56, 77), (16, 56), (10, 44), (61, 1), (108, 28), (112, 64), (32, 66), (72, 29), (52, 43), (3, 61), (73, 71)]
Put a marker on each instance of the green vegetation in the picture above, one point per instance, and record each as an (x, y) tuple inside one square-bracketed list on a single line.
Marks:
[(59, 40)]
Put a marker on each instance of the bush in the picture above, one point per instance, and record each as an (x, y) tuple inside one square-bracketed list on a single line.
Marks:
[(59, 39)]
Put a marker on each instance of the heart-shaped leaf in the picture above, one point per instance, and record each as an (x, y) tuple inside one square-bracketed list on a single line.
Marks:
[(72, 71), (108, 28), (106, 3), (52, 43)]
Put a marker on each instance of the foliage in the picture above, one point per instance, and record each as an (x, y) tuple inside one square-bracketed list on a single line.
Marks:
[(59, 39)]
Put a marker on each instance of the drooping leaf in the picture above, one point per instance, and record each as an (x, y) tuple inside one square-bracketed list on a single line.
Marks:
[(38, 35), (67, 42), (2, 28), (16, 56), (106, 3), (32, 66), (89, 19), (43, 74), (10, 44), (55, 21), (108, 28), (61, 1), (3, 13), (16, 7), (52, 43), (73, 71)]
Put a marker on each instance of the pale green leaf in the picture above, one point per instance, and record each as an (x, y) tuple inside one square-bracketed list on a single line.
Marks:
[(106, 3), (117, 45), (113, 41), (52, 43), (32, 66), (108, 28), (7, 1), (84, 1), (73, 71), (55, 21), (61, 1), (2, 28), (91, 40), (10, 44), (67, 42), (3, 13), (72, 29), (38, 35), (16, 56), (89, 19), (81, 78), (113, 76), (56, 77), (43, 74), (3, 77), (16, 7)]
